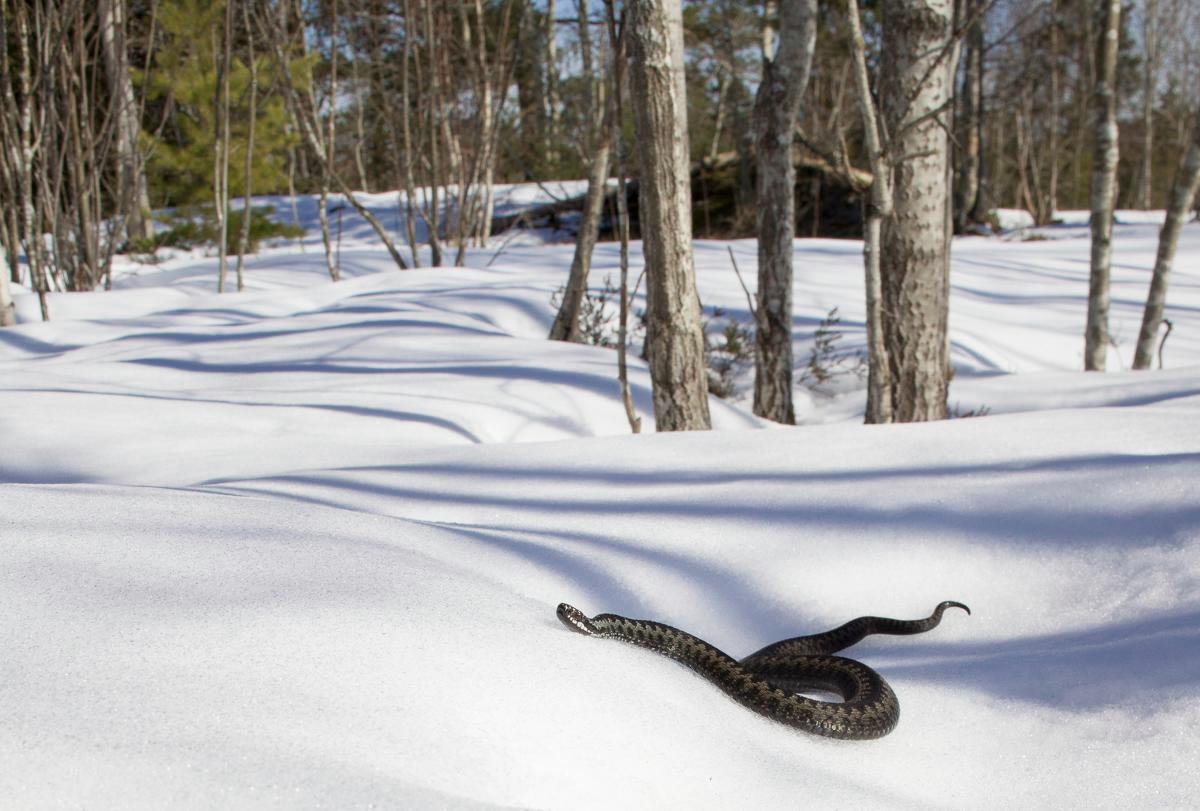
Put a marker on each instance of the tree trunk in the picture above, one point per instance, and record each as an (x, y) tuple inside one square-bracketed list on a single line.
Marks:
[(305, 120), (135, 202), (329, 155), (552, 114), (1055, 105), (1104, 190), (566, 322), (879, 399), (221, 145), (1183, 192), (674, 333), (1150, 35), (410, 229), (31, 233), (617, 48), (8, 314), (776, 108), (916, 86), (248, 168), (435, 152), (971, 101)]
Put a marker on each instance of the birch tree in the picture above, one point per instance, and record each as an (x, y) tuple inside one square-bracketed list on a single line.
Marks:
[(879, 399), (308, 123), (1104, 188), (907, 241), (1183, 192), (1149, 81), (133, 196), (916, 79), (674, 332), (776, 108), (598, 113), (248, 168), (221, 104), (8, 314)]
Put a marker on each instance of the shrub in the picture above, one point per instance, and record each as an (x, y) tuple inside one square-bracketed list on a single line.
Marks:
[(726, 353), (196, 226), (826, 361)]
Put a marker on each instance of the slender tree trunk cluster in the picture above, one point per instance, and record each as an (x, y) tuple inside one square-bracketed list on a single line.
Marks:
[(417, 92), (308, 119), (64, 121)]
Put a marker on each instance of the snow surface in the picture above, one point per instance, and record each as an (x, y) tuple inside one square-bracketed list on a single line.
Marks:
[(302, 546)]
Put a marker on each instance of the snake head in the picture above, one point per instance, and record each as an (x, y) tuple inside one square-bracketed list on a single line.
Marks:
[(576, 620), (950, 604)]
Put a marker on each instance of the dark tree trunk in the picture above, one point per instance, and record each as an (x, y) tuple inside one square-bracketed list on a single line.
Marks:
[(776, 108), (1183, 192)]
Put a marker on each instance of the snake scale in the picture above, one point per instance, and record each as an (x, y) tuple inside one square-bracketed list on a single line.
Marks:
[(769, 681)]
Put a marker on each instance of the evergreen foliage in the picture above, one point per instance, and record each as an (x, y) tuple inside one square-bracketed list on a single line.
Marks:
[(181, 87), (195, 226)]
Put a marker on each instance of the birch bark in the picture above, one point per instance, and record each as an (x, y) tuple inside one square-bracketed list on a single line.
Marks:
[(1104, 190), (674, 333), (135, 199), (915, 91), (1183, 192)]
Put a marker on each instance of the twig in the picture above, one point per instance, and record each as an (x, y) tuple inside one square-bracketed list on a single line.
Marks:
[(514, 231), (1162, 342), (760, 322)]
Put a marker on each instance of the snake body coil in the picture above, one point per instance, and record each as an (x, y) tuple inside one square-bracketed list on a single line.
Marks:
[(770, 680)]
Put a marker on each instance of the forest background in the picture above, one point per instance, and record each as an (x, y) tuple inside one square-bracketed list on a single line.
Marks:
[(113, 111), (165, 103)]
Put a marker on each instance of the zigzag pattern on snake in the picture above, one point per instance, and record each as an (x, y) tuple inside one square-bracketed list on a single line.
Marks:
[(770, 680)]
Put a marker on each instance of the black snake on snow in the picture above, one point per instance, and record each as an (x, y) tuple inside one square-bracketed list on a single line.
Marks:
[(769, 681)]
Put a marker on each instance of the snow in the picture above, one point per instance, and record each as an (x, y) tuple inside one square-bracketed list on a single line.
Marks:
[(303, 545)]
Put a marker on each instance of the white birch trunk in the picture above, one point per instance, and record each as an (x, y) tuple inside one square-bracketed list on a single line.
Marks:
[(879, 389), (674, 333), (8, 314), (1104, 190), (135, 200), (221, 147), (916, 77), (248, 167)]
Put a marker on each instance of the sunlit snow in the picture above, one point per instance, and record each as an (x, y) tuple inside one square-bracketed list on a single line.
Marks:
[(302, 545)]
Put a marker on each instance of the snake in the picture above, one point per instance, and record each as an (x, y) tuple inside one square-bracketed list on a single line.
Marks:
[(770, 681)]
